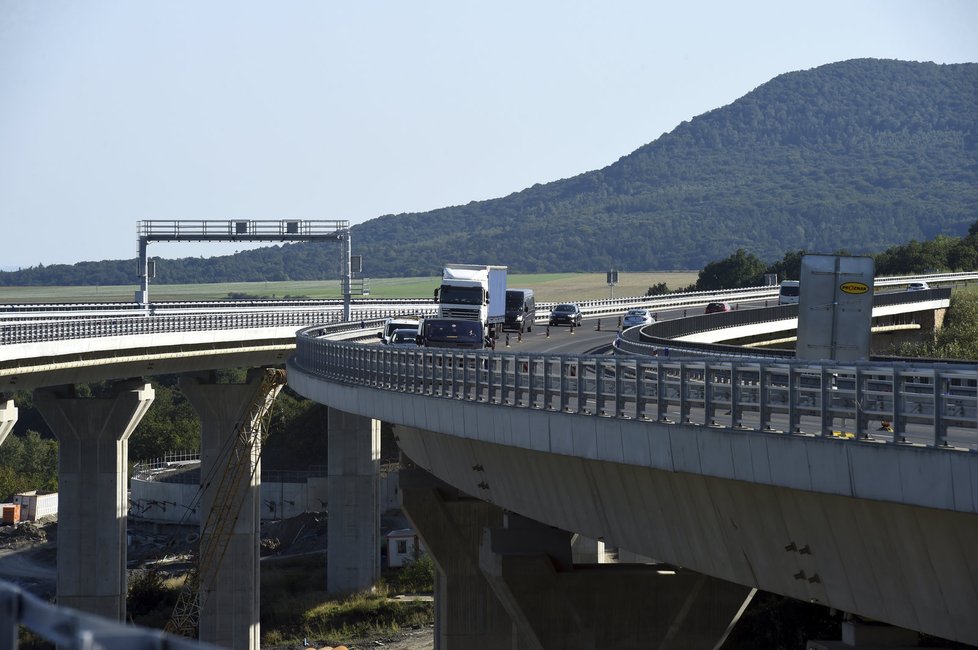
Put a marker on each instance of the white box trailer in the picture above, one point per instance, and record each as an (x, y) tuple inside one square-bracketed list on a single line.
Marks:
[(36, 504), (473, 292)]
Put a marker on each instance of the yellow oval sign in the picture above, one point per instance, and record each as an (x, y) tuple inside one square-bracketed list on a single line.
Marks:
[(854, 287)]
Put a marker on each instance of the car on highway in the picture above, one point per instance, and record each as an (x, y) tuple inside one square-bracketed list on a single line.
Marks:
[(717, 307), (634, 317), (918, 286), (405, 337), (567, 313)]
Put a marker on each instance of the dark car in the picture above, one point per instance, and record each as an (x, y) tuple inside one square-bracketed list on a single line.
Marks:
[(716, 307), (566, 313)]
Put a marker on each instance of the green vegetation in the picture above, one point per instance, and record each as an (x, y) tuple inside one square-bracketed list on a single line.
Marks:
[(958, 338), (295, 606), (27, 462), (943, 253)]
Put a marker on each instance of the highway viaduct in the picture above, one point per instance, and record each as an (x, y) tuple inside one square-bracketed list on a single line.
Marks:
[(646, 460)]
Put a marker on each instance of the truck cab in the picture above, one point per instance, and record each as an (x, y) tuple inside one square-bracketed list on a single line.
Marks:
[(473, 292)]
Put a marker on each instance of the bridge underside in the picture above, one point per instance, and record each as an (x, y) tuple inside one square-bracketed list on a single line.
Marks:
[(820, 548), (799, 516), (141, 362)]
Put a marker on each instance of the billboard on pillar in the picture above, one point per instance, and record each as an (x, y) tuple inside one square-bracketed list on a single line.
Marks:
[(835, 307)]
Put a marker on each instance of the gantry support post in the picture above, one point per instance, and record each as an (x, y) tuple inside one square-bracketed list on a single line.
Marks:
[(346, 273), (229, 598), (93, 456), (142, 296), (353, 534)]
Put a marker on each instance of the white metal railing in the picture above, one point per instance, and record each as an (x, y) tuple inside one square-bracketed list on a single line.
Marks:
[(934, 405), (227, 319), (74, 630)]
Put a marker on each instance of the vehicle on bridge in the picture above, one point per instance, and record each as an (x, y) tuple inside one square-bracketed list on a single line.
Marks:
[(398, 322), (473, 292), (454, 333), (716, 308), (405, 337), (635, 317), (521, 310), (567, 313), (789, 293)]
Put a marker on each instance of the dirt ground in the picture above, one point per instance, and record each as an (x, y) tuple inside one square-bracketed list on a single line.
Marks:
[(28, 557)]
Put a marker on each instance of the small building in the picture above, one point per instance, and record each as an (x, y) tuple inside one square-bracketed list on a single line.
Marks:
[(403, 547), (36, 504)]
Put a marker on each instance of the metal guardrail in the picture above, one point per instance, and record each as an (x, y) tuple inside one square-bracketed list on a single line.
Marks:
[(936, 405), (98, 327), (74, 630), (678, 327)]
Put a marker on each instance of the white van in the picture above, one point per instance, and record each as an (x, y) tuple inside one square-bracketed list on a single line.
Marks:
[(397, 323), (789, 293)]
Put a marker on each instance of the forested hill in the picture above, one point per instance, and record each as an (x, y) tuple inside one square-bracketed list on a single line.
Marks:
[(857, 155)]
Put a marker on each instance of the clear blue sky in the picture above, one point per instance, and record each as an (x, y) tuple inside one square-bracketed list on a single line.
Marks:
[(116, 111)]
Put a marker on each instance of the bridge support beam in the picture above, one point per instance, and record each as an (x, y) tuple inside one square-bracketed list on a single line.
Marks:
[(8, 418), (353, 535), (558, 605), (230, 594), (93, 457), (467, 612), (507, 581), (588, 551)]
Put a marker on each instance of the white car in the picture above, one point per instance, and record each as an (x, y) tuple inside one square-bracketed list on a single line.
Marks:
[(918, 286), (404, 337), (637, 317)]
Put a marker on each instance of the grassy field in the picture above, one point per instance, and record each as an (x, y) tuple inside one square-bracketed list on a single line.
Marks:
[(548, 287)]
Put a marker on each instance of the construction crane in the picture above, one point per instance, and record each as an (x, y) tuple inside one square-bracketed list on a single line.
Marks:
[(249, 437)]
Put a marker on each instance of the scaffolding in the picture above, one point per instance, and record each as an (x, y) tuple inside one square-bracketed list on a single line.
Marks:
[(249, 437)]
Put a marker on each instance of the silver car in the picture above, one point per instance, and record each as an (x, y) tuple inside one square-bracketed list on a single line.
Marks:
[(635, 317)]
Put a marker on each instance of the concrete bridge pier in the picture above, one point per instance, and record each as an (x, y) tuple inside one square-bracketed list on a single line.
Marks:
[(508, 581), (467, 613), (8, 418), (93, 460), (353, 533), (229, 593)]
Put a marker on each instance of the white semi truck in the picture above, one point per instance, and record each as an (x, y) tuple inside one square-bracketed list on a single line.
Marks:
[(473, 292)]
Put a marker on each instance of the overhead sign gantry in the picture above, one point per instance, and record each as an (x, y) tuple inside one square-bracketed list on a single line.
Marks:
[(243, 230)]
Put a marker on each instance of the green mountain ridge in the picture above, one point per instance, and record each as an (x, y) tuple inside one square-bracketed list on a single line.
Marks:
[(860, 154)]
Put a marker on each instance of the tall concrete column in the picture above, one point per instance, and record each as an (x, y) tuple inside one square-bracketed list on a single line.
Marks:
[(93, 457), (468, 615), (8, 418), (230, 592), (353, 534)]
